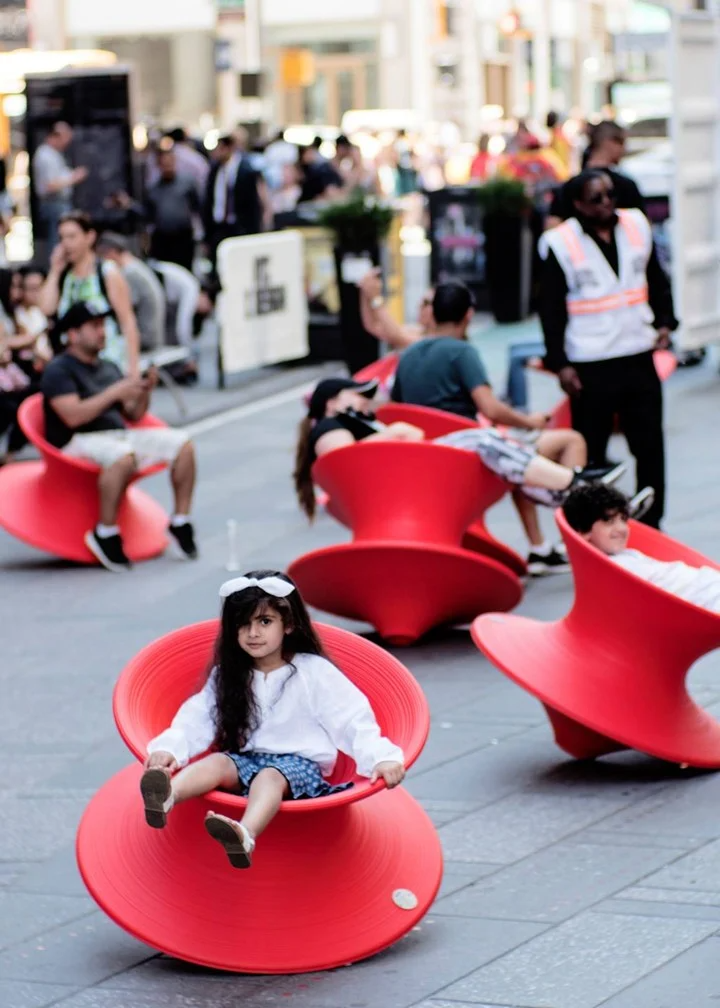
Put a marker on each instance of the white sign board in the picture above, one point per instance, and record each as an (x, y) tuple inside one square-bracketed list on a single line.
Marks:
[(696, 196), (262, 310)]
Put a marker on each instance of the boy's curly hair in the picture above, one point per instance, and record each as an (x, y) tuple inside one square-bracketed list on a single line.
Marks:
[(593, 502)]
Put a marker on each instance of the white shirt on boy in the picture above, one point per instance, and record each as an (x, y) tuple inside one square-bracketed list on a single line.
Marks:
[(700, 585)]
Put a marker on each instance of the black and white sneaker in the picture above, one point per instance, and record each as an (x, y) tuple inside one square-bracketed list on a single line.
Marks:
[(641, 503), (554, 562), (606, 475), (182, 539), (108, 550)]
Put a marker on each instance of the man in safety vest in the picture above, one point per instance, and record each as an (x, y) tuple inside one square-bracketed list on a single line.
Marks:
[(606, 305)]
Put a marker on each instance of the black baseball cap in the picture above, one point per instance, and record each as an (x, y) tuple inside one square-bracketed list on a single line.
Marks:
[(78, 314), (330, 387)]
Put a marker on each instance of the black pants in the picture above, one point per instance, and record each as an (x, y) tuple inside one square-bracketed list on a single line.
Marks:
[(174, 246), (627, 388), (9, 404)]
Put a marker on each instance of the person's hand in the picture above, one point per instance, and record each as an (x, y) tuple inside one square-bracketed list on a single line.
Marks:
[(664, 338), (78, 175), (392, 773), (570, 381), (402, 431), (537, 421), (163, 760), (151, 378), (371, 284), (127, 390), (58, 259)]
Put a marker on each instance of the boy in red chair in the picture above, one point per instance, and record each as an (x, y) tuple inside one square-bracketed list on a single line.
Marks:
[(600, 515), (88, 406)]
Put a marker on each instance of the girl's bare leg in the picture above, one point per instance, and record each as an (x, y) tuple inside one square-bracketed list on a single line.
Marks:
[(265, 796), (564, 446), (215, 771)]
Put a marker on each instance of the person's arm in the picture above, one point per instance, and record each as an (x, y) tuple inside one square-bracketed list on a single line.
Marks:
[(50, 293), (378, 321), (22, 340), (267, 215), (76, 412), (121, 303), (660, 297), (498, 412), (135, 408), (398, 431), (554, 320), (347, 717), (192, 731)]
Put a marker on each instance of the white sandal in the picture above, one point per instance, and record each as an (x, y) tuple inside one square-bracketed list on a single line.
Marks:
[(233, 836), (156, 790)]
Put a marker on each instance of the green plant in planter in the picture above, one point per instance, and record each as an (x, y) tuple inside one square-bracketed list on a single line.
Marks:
[(359, 222), (503, 196)]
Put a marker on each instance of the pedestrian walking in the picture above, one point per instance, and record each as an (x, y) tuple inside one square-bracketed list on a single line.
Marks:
[(54, 181), (172, 206), (233, 198), (606, 305)]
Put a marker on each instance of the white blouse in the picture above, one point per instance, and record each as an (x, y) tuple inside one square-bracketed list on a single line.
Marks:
[(311, 710)]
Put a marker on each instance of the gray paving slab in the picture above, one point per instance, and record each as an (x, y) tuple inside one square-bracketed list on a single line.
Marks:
[(23, 915), (580, 964), (555, 883), (690, 979), (79, 954), (17, 994), (699, 870), (439, 948)]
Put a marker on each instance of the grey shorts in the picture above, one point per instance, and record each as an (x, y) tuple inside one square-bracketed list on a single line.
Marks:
[(506, 456)]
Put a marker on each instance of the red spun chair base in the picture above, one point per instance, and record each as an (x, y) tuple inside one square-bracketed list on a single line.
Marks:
[(404, 589), (319, 893), (612, 673), (29, 510), (52, 504), (333, 879)]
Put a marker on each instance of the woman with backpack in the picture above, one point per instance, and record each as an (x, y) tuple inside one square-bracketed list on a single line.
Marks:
[(78, 275)]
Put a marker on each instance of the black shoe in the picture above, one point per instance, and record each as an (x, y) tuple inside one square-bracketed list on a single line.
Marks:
[(109, 551), (606, 474), (182, 538), (641, 503), (553, 563)]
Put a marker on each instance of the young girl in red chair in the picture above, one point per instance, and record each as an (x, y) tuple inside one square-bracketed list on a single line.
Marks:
[(276, 710)]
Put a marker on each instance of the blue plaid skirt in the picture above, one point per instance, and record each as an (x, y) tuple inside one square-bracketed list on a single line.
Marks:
[(303, 775)]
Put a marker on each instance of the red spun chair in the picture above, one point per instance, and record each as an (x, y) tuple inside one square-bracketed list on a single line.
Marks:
[(333, 880), (611, 674), (52, 503), (408, 506), (381, 370), (437, 423)]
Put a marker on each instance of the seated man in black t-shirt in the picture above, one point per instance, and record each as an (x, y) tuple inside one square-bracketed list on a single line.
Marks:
[(88, 404)]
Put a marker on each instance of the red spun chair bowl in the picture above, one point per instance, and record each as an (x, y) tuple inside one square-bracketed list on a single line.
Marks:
[(437, 423), (408, 506), (611, 674), (333, 879), (381, 370), (52, 503)]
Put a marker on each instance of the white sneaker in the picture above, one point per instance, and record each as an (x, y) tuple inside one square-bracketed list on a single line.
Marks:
[(233, 836)]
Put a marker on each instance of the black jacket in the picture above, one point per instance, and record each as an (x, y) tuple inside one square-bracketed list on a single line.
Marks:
[(245, 201)]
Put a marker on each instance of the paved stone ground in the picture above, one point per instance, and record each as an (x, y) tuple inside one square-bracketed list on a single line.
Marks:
[(566, 886)]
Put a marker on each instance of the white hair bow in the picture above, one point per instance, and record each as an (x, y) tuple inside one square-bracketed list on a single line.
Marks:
[(275, 586)]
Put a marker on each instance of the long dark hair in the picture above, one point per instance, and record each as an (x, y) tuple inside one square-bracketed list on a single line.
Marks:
[(236, 712), (302, 474)]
